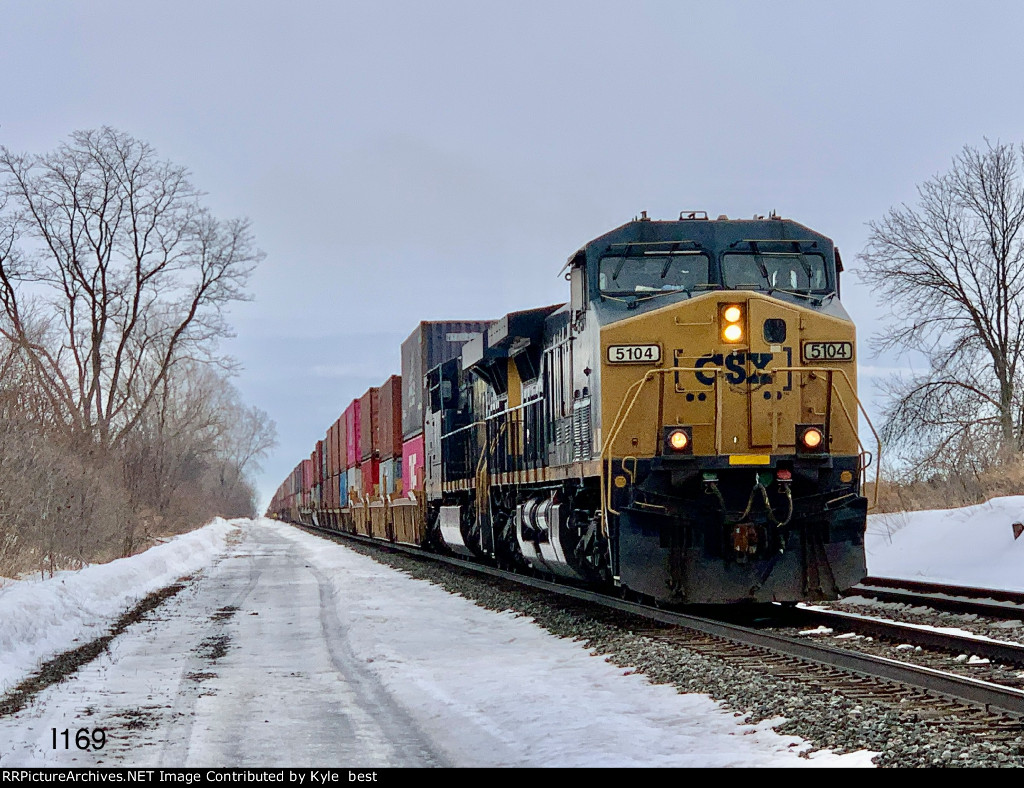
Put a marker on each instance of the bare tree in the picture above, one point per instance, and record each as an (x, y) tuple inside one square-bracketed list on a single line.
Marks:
[(111, 272), (951, 270)]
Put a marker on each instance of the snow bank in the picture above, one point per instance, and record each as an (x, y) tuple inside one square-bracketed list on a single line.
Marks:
[(39, 619), (969, 546)]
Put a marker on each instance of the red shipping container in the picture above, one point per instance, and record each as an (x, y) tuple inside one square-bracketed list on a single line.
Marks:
[(369, 423), (352, 430), (331, 445), (341, 430), (390, 418), (412, 464), (307, 475), (318, 463), (370, 473)]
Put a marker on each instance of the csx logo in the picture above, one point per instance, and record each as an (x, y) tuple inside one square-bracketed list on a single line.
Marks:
[(740, 367)]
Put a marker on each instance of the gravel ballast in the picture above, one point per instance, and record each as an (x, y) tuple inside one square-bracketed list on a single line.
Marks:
[(824, 717)]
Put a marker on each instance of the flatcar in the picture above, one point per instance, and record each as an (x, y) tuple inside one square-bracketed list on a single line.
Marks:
[(683, 429)]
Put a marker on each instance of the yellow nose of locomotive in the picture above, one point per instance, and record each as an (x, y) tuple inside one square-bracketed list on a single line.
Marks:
[(741, 369)]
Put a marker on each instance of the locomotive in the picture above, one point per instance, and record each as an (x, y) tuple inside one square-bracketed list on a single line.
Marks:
[(684, 429)]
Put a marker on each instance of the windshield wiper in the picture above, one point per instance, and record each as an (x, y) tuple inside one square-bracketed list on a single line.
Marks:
[(666, 292), (819, 297)]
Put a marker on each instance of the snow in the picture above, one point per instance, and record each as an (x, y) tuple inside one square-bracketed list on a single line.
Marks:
[(483, 688), (40, 619), (492, 689), (452, 664), (972, 546)]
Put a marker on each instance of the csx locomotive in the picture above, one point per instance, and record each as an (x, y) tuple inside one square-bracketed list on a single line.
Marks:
[(684, 428)]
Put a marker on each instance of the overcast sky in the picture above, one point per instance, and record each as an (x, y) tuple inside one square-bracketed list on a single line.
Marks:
[(403, 161)]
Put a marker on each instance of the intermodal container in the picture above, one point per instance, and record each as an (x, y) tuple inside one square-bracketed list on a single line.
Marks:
[(331, 449), (390, 418), (412, 464), (355, 483), (341, 489), (370, 477), (341, 448), (391, 476), (431, 343), (307, 475), (369, 425), (352, 429)]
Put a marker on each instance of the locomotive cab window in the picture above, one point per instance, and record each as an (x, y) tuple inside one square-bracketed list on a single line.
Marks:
[(653, 274), (795, 273)]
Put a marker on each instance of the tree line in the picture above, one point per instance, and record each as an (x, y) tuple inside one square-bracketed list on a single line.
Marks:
[(118, 420), (951, 269)]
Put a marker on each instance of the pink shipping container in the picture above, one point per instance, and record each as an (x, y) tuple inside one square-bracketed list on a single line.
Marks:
[(352, 429), (412, 464)]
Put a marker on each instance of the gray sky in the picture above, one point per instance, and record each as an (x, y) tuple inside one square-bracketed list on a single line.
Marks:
[(410, 160)]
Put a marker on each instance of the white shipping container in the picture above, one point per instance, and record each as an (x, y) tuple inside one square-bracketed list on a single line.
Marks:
[(389, 470), (355, 481)]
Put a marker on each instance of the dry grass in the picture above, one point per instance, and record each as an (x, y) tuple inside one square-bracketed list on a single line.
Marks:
[(951, 490)]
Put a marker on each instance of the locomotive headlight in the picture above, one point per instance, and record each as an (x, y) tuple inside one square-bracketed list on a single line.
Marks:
[(732, 322), (678, 440), (810, 438)]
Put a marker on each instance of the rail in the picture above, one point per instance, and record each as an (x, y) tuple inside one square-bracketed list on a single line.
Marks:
[(992, 697)]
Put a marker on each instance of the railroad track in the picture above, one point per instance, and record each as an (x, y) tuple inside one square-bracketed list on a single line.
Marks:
[(980, 707), (924, 636), (955, 599)]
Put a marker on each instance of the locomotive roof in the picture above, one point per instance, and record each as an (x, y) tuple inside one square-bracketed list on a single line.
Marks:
[(709, 233)]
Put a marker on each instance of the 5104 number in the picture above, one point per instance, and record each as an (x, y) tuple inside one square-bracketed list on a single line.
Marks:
[(84, 738), (634, 354)]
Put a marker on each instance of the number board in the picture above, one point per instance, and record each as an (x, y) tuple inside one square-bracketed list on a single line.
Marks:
[(828, 351), (634, 354)]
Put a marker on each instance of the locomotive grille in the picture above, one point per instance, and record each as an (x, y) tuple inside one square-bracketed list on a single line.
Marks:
[(581, 443)]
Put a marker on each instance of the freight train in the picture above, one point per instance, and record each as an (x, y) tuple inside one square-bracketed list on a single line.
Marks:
[(683, 429)]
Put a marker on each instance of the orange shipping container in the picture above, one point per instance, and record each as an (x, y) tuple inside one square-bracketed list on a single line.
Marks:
[(390, 418), (369, 425)]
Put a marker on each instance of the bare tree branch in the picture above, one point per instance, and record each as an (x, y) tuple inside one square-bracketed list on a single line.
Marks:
[(951, 269)]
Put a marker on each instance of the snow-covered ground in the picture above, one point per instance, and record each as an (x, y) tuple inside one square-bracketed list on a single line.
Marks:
[(326, 645), (972, 546), (40, 619), (296, 641)]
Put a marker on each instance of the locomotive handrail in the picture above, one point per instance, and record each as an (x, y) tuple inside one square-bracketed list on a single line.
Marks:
[(849, 418), (533, 401), (620, 419)]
